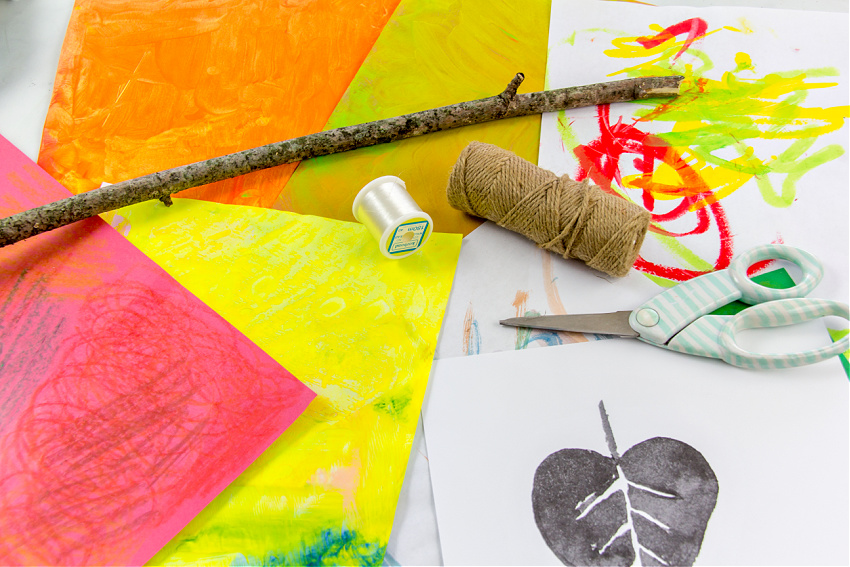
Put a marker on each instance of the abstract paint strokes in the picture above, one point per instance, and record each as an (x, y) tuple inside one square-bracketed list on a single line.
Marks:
[(760, 123), (142, 88), (431, 53), (358, 328), (120, 396)]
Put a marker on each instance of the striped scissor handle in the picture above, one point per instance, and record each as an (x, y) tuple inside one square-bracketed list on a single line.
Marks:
[(660, 318), (753, 293), (682, 313), (777, 314)]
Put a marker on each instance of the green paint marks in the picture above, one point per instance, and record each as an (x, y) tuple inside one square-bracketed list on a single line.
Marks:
[(675, 247), (836, 335), (393, 406), (523, 335), (776, 279), (569, 138), (716, 120), (743, 62)]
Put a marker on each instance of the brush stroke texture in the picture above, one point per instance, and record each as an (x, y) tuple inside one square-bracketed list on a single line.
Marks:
[(146, 87), (358, 328)]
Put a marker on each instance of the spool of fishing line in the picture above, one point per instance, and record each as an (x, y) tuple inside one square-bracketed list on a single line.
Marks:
[(392, 217)]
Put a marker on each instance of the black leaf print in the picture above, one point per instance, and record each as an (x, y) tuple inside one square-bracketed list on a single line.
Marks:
[(649, 507)]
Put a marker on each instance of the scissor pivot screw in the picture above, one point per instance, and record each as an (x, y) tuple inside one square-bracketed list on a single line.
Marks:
[(647, 317)]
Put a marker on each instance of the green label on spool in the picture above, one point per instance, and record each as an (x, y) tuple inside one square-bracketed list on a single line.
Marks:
[(408, 236)]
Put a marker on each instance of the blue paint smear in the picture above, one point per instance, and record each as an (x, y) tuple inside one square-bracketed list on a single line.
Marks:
[(333, 547)]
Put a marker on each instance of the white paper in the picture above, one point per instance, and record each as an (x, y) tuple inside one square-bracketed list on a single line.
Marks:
[(774, 41), (777, 442), (520, 279), (32, 34)]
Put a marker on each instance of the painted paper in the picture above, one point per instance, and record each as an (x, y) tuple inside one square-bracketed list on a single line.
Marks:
[(126, 404), (358, 328), (620, 453), (752, 152), (143, 88), (430, 54)]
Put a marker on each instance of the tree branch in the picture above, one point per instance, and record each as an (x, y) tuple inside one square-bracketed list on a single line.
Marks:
[(162, 184)]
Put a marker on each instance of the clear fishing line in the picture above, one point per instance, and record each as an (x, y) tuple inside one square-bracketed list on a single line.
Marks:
[(392, 217)]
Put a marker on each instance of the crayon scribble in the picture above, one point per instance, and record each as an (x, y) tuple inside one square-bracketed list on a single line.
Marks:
[(684, 174), (471, 333), (526, 336), (109, 445), (553, 300)]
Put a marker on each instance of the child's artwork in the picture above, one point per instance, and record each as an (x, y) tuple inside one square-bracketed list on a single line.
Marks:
[(620, 453), (753, 151), (521, 280), (763, 114), (146, 87), (431, 53), (358, 328), (126, 404)]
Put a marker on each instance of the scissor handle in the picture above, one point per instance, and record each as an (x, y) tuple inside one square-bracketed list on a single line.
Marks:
[(778, 314), (753, 293), (660, 318)]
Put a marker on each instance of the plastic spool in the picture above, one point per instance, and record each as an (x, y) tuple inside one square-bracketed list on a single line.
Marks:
[(392, 217)]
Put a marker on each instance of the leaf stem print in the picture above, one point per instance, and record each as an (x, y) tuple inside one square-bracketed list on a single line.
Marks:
[(622, 485)]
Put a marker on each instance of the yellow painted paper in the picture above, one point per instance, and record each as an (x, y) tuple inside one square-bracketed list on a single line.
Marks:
[(430, 54), (356, 327)]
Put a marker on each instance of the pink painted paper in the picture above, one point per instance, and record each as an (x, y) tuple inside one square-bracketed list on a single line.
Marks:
[(126, 404)]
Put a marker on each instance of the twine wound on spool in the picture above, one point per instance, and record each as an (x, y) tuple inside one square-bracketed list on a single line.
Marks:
[(573, 219)]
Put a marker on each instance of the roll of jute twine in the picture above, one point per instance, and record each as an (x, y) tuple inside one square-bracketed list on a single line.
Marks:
[(573, 219)]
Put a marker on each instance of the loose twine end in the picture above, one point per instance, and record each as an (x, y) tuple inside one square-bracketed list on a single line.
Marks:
[(573, 219)]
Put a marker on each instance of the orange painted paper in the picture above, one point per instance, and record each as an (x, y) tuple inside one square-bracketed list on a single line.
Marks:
[(143, 87)]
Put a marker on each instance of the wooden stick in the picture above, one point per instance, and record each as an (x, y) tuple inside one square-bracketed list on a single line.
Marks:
[(162, 184)]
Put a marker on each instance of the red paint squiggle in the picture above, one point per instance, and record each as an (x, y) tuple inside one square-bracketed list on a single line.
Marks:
[(695, 28), (600, 161)]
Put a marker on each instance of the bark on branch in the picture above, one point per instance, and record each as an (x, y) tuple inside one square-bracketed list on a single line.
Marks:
[(161, 185)]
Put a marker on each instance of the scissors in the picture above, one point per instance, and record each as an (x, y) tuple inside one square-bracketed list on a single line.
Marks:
[(678, 319)]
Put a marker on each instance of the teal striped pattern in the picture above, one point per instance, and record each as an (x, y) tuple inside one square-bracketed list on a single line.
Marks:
[(680, 306), (678, 319), (701, 337), (779, 314), (752, 292)]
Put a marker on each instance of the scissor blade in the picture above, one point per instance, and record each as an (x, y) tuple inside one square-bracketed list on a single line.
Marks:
[(616, 323)]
